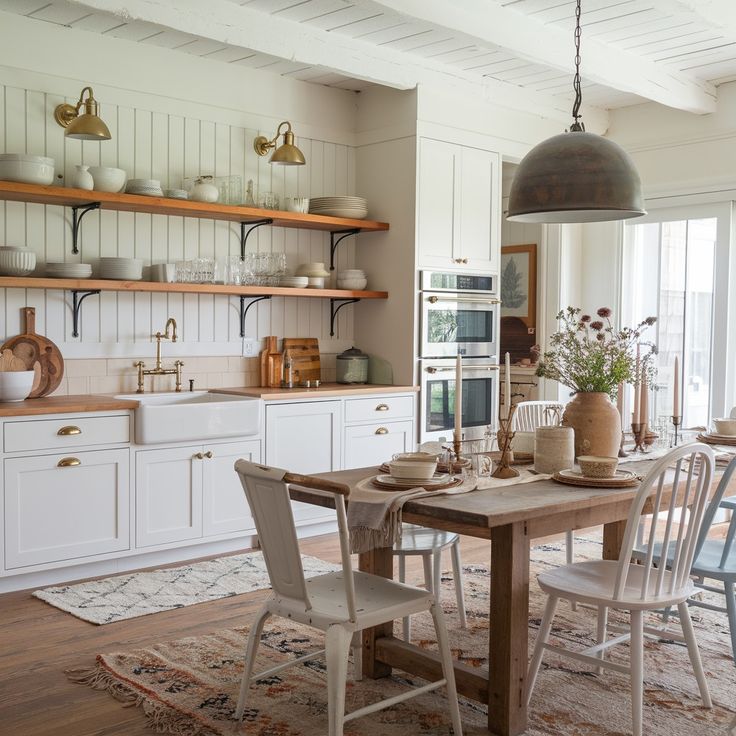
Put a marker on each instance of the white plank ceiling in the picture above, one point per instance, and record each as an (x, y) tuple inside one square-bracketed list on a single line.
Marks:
[(683, 49)]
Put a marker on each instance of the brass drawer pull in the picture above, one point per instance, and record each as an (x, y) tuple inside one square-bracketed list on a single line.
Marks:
[(382, 407), (382, 430), (208, 454), (68, 462), (70, 430), (198, 456)]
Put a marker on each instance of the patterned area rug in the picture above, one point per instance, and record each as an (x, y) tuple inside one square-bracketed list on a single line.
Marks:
[(138, 594), (189, 687)]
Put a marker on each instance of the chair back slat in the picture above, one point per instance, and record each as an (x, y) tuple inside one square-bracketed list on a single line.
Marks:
[(267, 492), (688, 492), (711, 511), (532, 414)]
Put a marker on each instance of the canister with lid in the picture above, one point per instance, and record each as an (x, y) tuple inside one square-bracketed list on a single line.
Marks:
[(352, 366)]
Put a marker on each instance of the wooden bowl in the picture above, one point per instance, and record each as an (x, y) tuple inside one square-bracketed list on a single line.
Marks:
[(593, 466)]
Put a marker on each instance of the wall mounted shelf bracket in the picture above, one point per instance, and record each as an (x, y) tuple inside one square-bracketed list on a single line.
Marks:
[(245, 231), (244, 309), (334, 242), (78, 296), (335, 309), (77, 214)]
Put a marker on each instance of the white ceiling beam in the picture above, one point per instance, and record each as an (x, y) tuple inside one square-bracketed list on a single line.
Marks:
[(236, 25), (484, 22), (720, 14)]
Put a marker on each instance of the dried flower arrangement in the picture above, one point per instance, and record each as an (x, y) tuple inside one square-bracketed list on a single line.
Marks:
[(590, 355)]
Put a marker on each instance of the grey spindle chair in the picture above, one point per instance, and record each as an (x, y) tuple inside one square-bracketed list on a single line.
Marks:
[(649, 586), (341, 604)]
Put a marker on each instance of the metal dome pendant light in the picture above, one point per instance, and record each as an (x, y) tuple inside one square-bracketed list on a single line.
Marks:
[(576, 176)]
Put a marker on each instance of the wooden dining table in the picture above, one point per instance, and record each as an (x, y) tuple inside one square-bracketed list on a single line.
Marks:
[(510, 517)]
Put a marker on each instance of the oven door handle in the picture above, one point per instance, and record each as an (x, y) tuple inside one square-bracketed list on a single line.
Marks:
[(461, 300), (432, 369)]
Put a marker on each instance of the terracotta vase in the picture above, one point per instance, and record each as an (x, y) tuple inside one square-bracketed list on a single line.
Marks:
[(596, 422)]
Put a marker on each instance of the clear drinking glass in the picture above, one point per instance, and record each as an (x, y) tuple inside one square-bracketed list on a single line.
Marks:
[(183, 272)]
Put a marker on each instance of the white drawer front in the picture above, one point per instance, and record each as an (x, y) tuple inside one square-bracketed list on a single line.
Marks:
[(62, 432), (379, 409)]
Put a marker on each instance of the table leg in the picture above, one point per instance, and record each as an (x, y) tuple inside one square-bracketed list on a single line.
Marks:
[(378, 562), (508, 657), (613, 537)]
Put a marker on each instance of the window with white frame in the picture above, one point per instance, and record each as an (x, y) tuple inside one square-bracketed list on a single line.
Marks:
[(675, 267)]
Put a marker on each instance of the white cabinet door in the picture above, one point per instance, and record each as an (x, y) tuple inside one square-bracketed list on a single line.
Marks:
[(168, 495), (477, 209), (59, 512), (224, 507), (436, 192), (304, 438), (373, 444)]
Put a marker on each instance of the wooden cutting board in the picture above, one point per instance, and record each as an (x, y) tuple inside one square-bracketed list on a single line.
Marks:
[(31, 349), (304, 353), (270, 343)]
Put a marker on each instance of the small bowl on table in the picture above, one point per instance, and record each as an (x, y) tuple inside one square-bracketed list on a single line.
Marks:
[(725, 426), (15, 385), (595, 466), (413, 469)]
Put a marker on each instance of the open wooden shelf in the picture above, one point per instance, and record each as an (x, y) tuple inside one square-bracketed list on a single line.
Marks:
[(66, 197), (30, 282)]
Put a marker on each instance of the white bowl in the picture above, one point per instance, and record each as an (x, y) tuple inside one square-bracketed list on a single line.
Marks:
[(26, 168), (352, 272), (414, 469), (108, 178), (17, 262), (352, 284), (725, 426), (15, 385), (315, 282)]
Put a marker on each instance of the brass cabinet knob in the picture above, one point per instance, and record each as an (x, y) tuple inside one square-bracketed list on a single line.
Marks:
[(209, 454), (70, 430), (382, 430), (433, 299), (68, 462), (382, 407), (198, 456), (463, 260)]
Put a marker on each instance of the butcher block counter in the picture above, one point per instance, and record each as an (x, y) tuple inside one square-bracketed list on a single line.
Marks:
[(63, 405), (324, 390)]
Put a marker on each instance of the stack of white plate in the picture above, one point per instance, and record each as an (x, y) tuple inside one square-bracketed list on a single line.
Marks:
[(147, 187), (59, 270), (295, 282), (352, 207), (121, 269)]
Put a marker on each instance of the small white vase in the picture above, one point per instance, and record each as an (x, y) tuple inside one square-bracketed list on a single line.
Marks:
[(204, 190), (81, 178)]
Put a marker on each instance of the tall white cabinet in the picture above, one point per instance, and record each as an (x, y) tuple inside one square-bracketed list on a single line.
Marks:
[(458, 203)]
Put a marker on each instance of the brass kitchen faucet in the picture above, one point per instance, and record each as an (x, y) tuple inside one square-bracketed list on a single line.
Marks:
[(158, 369)]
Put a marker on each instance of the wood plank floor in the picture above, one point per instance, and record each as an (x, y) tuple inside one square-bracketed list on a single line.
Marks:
[(38, 642)]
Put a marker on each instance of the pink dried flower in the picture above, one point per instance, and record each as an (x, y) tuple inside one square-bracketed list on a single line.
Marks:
[(585, 318), (650, 321), (600, 337), (596, 325), (604, 312)]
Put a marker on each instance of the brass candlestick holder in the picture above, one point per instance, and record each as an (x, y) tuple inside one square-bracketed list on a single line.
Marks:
[(639, 430), (621, 451), (676, 421), (505, 435)]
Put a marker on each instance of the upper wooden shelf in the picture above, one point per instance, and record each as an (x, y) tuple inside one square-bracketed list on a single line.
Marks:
[(16, 191), (29, 282)]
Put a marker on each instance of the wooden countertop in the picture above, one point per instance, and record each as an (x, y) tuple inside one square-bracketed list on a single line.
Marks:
[(325, 389), (63, 405)]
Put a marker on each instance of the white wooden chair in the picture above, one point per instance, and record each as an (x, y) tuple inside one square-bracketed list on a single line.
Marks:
[(649, 586), (339, 603), (532, 414), (429, 544)]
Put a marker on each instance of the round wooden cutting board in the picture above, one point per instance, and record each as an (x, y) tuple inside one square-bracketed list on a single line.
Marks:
[(31, 349)]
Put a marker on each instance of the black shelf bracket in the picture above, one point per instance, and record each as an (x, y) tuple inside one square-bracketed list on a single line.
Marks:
[(78, 296), (244, 309), (77, 214), (334, 242), (335, 309), (245, 231)]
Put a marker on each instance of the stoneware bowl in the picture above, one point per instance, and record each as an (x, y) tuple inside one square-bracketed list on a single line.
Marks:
[(19, 262), (413, 469), (108, 178), (593, 466), (15, 385), (725, 426), (352, 284), (26, 168)]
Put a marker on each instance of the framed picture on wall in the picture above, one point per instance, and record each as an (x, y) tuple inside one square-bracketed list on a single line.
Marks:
[(519, 283)]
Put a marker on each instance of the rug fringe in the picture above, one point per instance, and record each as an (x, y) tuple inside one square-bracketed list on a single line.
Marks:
[(161, 718)]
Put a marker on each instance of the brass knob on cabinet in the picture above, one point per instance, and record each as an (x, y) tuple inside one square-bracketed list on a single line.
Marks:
[(68, 462), (463, 260), (70, 430), (433, 299), (198, 456), (382, 430), (382, 407), (208, 454)]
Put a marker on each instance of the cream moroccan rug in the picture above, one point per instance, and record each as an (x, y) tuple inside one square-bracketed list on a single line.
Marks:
[(140, 593), (189, 687)]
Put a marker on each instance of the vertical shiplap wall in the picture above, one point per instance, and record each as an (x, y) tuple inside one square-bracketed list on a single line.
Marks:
[(163, 145)]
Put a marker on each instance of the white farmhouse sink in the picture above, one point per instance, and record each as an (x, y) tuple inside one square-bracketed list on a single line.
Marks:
[(194, 416)]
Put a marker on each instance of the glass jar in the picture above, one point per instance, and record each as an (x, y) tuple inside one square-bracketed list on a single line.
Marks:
[(352, 366)]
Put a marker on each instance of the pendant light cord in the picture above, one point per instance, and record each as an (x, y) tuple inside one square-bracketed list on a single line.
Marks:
[(577, 124)]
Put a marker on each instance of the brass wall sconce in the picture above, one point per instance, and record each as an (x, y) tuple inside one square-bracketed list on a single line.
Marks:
[(286, 154), (87, 126)]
